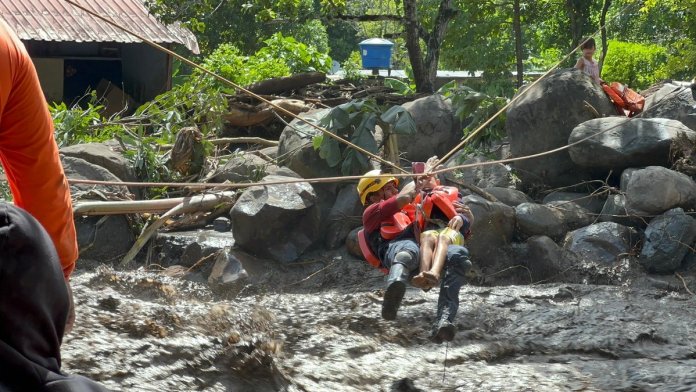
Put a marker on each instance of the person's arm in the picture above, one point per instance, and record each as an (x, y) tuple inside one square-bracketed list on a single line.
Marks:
[(580, 64), (29, 152)]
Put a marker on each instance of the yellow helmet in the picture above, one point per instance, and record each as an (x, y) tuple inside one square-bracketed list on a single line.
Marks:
[(371, 183)]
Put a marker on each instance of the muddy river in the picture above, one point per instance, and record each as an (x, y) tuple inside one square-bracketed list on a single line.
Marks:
[(141, 330)]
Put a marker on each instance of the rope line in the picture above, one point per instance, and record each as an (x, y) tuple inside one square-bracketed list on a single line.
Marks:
[(231, 83)]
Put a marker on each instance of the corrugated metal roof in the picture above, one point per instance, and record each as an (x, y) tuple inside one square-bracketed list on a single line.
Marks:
[(58, 20)]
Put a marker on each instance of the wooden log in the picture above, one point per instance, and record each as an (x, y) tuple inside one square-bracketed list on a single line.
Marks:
[(279, 85)]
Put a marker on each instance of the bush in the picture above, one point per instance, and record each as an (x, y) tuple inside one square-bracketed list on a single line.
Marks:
[(637, 65)]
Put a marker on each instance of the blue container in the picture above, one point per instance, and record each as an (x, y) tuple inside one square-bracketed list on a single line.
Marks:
[(376, 53)]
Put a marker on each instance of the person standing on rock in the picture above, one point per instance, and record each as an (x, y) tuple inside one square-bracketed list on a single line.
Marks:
[(586, 63), (38, 245), (398, 252)]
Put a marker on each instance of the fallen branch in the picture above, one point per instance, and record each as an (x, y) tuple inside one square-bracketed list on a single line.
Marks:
[(684, 283), (125, 207), (189, 205), (279, 85), (232, 140)]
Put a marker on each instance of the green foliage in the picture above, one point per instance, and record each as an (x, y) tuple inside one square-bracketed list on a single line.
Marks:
[(352, 67), (400, 87), (681, 64), (355, 121), (296, 55), (81, 125), (637, 65), (474, 109)]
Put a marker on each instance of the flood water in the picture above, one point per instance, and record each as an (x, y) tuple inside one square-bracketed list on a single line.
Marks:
[(143, 331)]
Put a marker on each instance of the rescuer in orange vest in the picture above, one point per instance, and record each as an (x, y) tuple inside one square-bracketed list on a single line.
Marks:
[(398, 255)]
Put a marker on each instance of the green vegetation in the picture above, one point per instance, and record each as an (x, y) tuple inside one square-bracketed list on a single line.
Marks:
[(637, 65)]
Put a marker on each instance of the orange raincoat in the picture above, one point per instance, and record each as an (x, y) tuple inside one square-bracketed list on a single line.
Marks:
[(28, 150)]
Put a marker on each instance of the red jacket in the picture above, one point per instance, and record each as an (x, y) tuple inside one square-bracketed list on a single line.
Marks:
[(28, 150)]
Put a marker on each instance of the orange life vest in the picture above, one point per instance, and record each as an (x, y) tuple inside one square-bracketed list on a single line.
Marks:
[(396, 225), (441, 197), (369, 256)]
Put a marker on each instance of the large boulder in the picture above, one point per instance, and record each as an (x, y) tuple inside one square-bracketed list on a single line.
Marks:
[(655, 189), (614, 210), (623, 142), (103, 155), (542, 119), (491, 175), (511, 197), (590, 202), (672, 101), (552, 220), (437, 129), (344, 216), (545, 259), (276, 221), (667, 240), (295, 149), (602, 242), (493, 229), (80, 169), (103, 239)]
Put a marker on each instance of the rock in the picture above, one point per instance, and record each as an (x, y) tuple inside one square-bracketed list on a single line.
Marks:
[(222, 224), (242, 167), (537, 219), (574, 216), (668, 238), (492, 231), (352, 244), (276, 221), (227, 273), (655, 189), (296, 151), (345, 215), (592, 203), (103, 239), (614, 210), (543, 118), (625, 142), (438, 131), (674, 102), (602, 242), (494, 175), (102, 155), (511, 197), (545, 259), (186, 248), (271, 152), (77, 168)]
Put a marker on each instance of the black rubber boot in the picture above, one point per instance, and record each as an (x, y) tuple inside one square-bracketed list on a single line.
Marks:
[(396, 287)]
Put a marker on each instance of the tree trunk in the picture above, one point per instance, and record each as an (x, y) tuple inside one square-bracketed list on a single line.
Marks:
[(425, 70), (415, 56), (602, 23), (516, 26)]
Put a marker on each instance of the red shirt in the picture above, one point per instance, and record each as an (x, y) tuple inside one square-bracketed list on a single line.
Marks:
[(28, 149), (376, 213)]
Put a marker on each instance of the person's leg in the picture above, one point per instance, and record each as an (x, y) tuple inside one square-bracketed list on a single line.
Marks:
[(428, 243), (401, 258), (456, 267), (446, 237)]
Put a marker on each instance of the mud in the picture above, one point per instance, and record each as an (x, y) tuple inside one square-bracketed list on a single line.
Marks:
[(144, 331)]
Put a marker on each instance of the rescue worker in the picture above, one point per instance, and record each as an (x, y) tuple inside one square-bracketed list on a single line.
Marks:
[(37, 251), (398, 255)]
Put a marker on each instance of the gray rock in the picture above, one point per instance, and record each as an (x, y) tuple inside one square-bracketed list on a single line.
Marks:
[(667, 241), (276, 221), (537, 219), (271, 152), (103, 239), (674, 102), (345, 215), (493, 229), (625, 142), (494, 175), (543, 118), (511, 197), (352, 245), (438, 131), (102, 155), (78, 168), (295, 149), (228, 273), (243, 167), (614, 210), (602, 242), (592, 203), (655, 189), (545, 259)]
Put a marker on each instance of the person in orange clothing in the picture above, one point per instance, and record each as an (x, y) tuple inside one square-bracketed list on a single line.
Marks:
[(38, 245)]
